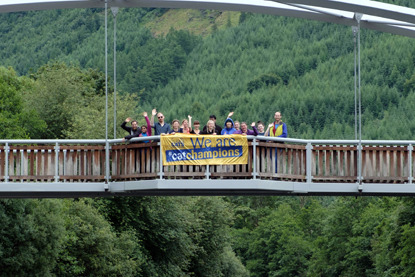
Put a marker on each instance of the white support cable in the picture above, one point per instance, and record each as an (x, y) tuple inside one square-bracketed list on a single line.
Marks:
[(114, 11), (107, 166), (355, 30), (358, 17)]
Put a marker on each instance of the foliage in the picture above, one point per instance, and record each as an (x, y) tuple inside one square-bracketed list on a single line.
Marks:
[(16, 119), (180, 237), (91, 248), (266, 63), (72, 102), (31, 233)]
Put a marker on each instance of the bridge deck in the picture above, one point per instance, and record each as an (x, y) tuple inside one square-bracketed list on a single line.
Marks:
[(297, 167)]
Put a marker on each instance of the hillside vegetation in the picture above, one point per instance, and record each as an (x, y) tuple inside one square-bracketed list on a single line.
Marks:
[(184, 62)]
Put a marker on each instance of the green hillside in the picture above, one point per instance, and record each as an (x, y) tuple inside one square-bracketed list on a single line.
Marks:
[(202, 62), (218, 62)]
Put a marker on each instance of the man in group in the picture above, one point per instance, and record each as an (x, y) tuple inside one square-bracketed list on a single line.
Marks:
[(133, 131), (245, 131), (277, 129), (160, 127), (218, 129)]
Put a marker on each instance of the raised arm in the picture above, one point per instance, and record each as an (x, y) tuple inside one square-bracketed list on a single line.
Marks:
[(148, 124), (254, 129), (123, 125), (190, 121), (230, 114), (267, 131), (153, 113)]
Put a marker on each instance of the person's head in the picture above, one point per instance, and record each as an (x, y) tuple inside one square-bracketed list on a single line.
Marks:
[(212, 117), (229, 123), (134, 124), (160, 117), (277, 116), (176, 124), (144, 129), (196, 124), (244, 127), (211, 125), (237, 125), (261, 126), (185, 123)]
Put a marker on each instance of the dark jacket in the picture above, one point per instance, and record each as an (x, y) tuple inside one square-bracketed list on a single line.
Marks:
[(133, 133)]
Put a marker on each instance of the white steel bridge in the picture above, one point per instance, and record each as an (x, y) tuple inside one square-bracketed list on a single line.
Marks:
[(74, 168), (71, 168)]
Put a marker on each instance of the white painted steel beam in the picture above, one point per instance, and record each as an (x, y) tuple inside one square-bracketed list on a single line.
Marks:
[(376, 15)]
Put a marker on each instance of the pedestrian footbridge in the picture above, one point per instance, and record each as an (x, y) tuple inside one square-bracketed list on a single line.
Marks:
[(76, 168)]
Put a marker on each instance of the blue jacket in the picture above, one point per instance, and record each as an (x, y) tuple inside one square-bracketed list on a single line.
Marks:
[(228, 131)]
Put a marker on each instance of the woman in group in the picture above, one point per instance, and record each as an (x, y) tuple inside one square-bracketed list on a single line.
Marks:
[(175, 127), (237, 125), (196, 126), (210, 128), (186, 129), (146, 130)]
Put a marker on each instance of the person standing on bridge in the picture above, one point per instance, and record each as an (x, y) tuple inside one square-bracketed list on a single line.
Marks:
[(237, 125), (245, 131), (133, 131), (160, 127), (261, 128), (277, 129), (218, 129), (146, 130), (210, 129), (185, 128), (196, 130), (229, 129)]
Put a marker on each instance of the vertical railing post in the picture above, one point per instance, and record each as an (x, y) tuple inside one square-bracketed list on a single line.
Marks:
[(107, 165), (6, 165), (309, 149), (161, 173), (254, 172), (57, 162), (410, 177), (207, 172), (359, 166)]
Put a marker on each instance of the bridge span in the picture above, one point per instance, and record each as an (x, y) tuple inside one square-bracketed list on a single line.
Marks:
[(92, 168)]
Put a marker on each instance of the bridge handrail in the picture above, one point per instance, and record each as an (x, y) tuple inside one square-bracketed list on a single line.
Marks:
[(261, 138), (297, 160)]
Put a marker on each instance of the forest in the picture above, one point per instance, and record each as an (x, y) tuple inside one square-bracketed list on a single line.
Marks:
[(52, 86)]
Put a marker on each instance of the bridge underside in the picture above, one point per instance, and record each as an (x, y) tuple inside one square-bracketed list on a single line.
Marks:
[(204, 187)]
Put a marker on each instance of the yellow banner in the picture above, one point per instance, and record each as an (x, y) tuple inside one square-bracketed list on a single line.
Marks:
[(183, 149)]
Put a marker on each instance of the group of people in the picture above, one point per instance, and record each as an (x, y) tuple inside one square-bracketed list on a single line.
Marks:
[(161, 127)]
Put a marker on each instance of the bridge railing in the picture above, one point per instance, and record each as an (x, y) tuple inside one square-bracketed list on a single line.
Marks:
[(269, 158)]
